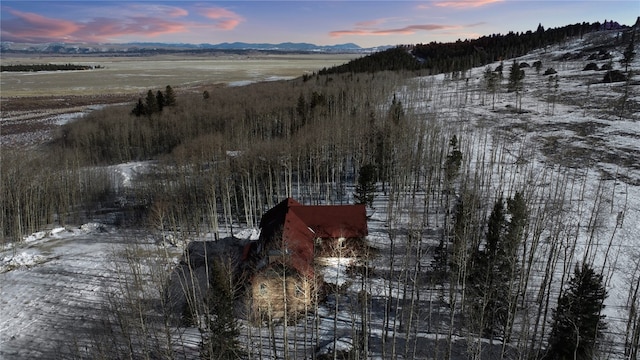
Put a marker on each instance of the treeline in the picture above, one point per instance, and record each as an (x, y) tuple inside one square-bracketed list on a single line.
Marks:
[(231, 155), (436, 57), (394, 59), (46, 67), (47, 188), (240, 116), (154, 103)]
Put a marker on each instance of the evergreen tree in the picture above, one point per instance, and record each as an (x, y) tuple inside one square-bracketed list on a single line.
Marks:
[(488, 277), (516, 75), (169, 96), (460, 219), (223, 343), (160, 100), (491, 80), (396, 112), (301, 111), (366, 186), (494, 269), (139, 109), (538, 66), (151, 103), (629, 53), (454, 160), (577, 321), (517, 209)]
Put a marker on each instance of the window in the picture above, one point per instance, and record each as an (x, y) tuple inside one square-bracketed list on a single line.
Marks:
[(263, 289), (299, 290)]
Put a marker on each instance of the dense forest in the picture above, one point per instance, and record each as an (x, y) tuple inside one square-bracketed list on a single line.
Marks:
[(45, 67), (437, 58), (488, 270)]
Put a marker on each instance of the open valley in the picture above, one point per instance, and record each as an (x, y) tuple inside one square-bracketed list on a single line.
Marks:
[(32, 104)]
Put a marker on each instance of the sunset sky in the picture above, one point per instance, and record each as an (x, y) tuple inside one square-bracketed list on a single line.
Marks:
[(366, 23)]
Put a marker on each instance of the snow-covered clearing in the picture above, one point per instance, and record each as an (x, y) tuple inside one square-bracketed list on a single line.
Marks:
[(52, 291)]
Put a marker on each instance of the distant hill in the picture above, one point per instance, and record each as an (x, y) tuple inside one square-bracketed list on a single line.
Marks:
[(148, 47), (436, 58)]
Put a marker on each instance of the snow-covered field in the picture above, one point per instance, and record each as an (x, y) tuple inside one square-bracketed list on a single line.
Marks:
[(568, 139)]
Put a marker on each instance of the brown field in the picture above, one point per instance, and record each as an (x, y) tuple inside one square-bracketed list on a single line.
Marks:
[(126, 75), (29, 101)]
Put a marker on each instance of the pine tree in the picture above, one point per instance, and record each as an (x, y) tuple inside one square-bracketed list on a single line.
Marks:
[(223, 343), (494, 268), (160, 100), (139, 109), (491, 79), (629, 53), (169, 96), (396, 112), (516, 75), (454, 160), (151, 104), (519, 213), (488, 276), (366, 186), (302, 109), (577, 321)]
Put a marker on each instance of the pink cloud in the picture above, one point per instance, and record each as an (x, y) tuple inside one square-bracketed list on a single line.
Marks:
[(462, 4), (407, 30), (105, 29), (179, 12), (224, 19), (370, 23), (152, 10), (141, 21), (32, 27)]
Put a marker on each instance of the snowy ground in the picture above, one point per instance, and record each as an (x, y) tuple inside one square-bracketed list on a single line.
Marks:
[(576, 142), (28, 128), (52, 291), (53, 284)]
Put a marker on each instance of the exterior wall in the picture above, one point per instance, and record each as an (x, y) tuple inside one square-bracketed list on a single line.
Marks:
[(275, 294), (290, 236)]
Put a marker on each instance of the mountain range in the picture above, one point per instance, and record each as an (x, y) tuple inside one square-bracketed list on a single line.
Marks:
[(146, 47)]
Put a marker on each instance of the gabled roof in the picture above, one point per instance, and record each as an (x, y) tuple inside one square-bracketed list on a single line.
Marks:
[(334, 221), (326, 221), (298, 225)]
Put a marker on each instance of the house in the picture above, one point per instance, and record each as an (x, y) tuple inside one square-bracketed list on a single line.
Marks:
[(291, 235)]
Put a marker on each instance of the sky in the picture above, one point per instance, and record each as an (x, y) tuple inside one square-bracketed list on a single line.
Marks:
[(366, 23)]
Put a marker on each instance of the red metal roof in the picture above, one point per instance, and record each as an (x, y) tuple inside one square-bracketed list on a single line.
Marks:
[(299, 241), (298, 225), (334, 221)]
